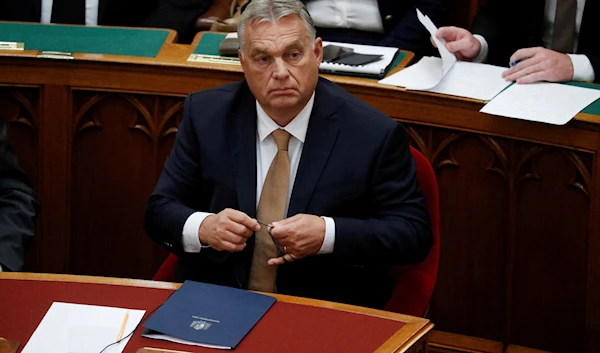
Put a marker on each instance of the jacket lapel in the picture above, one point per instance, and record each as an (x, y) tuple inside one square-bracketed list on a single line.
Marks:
[(321, 135)]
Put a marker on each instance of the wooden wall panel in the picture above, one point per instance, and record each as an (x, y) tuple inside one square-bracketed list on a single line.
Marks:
[(551, 242), (114, 169)]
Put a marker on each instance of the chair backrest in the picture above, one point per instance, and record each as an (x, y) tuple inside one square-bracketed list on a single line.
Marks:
[(166, 272), (415, 283)]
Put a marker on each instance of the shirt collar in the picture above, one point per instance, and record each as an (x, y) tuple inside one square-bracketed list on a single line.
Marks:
[(297, 127)]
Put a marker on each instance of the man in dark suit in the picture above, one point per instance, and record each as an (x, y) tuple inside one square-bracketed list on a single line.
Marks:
[(90, 12), (285, 182), (18, 207), (390, 23), (541, 40)]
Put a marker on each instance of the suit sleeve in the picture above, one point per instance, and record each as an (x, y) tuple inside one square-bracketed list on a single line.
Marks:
[(18, 207), (179, 183), (410, 34), (398, 230)]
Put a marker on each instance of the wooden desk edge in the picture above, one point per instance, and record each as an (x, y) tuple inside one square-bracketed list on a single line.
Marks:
[(414, 329), (409, 320)]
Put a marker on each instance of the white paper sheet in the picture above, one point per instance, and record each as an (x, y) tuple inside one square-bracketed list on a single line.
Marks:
[(77, 328), (550, 103), (448, 59), (471, 80)]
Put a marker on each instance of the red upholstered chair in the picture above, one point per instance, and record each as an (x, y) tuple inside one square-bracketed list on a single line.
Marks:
[(414, 283), (166, 272)]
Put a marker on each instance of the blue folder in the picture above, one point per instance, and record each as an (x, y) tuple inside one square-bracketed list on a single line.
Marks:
[(207, 315)]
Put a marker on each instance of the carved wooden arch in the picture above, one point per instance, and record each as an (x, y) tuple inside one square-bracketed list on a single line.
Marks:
[(163, 131), (23, 119), (581, 180), (149, 129), (499, 154)]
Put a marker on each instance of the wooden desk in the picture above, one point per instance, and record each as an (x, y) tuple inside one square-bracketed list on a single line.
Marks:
[(36, 292), (519, 200)]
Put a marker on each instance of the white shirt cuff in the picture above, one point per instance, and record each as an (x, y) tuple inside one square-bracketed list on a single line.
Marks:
[(0, 268), (582, 68), (329, 241), (483, 52), (191, 240)]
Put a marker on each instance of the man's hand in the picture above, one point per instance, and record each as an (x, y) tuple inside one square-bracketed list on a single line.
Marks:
[(228, 230), (539, 64), (299, 236), (460, 42)]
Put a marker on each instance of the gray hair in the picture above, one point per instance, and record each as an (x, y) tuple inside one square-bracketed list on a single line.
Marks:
[(272, 11)]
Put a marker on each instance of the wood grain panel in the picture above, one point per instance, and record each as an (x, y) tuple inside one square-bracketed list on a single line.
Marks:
[(114, 169), (470, 290), (551, 244)]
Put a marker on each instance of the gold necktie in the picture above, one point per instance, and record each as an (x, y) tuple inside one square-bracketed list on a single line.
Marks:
[(563, 37), (271, 208)]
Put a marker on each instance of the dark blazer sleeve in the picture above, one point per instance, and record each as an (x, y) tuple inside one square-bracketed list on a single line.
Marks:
[(18, 207), (166, 210), (397, 229), (405, 31)]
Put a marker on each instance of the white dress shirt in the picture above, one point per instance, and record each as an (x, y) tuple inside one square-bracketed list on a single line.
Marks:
[(582, 67), (362, 15), (91, 12), (265, 152)]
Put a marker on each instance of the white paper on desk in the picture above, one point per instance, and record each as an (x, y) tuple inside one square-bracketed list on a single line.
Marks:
[(471, 80), (448, 59), (60, 329), (550, 103)]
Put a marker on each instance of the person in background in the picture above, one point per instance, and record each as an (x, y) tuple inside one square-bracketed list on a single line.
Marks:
[(18, 207), (82, 12), (286, 183), (389, 23), (552, 40)]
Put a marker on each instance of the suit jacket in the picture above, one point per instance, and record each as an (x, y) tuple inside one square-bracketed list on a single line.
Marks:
[(110, 12), (402, 28), (18, 207), (507, 30), (355, 167)]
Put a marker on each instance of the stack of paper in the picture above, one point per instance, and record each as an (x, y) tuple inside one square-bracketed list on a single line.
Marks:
[(550, 103), (375, 69), (447, 76)]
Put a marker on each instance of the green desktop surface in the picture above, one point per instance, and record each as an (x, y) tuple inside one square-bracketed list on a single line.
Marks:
[(82, 39)]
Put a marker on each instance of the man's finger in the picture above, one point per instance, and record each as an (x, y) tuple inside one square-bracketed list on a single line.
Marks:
[(286, 258), (524, 72), (447, 33), (522, 65), (225, 245), (433, 42), (525, 53), (462, 44), (534, 77), (244, 219)]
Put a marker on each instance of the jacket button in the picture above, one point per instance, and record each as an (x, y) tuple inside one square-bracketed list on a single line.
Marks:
[(388, 17)]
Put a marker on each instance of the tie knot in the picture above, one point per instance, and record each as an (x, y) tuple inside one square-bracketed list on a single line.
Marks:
[(282, 139)]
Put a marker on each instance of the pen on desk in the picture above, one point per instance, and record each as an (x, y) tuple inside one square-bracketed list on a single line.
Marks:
[(123, 326), (162, 350)]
